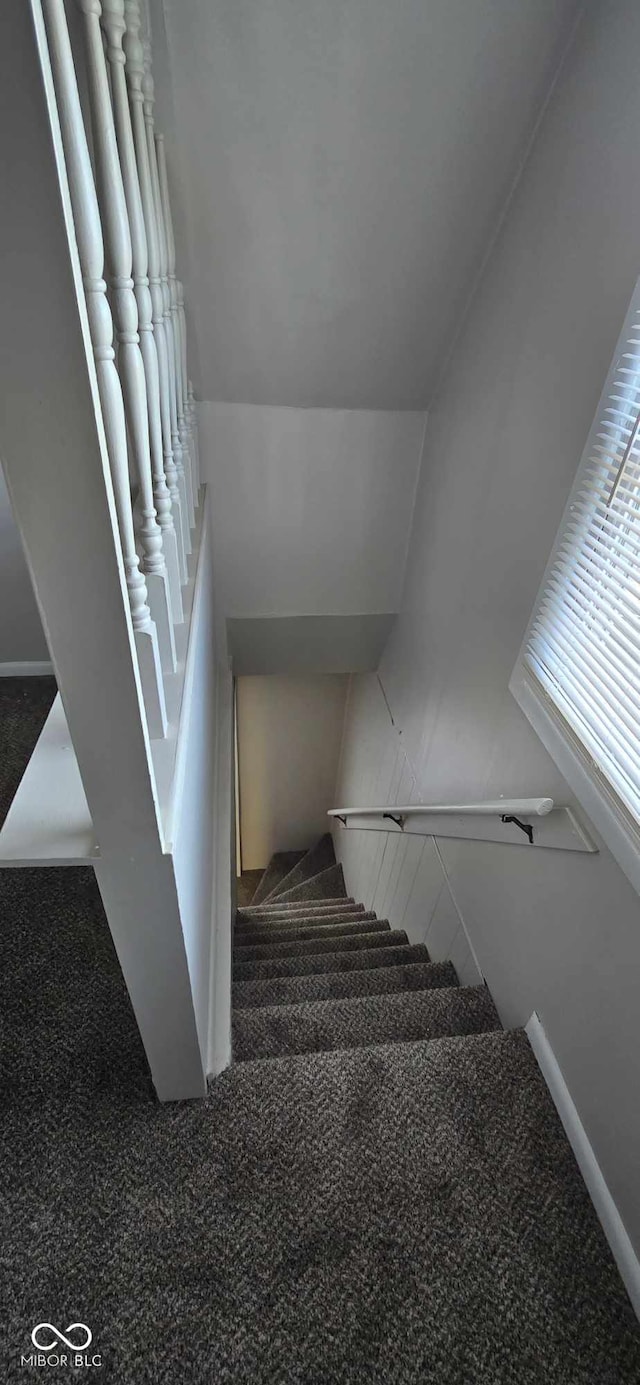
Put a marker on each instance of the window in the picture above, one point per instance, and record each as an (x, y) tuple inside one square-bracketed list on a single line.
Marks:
[(578, 673)]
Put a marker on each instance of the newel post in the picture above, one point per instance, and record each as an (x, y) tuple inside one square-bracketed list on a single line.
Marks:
[(91, 254)]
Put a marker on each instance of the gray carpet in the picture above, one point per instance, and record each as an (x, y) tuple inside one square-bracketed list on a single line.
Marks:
[(276, 951), (24, 706), (334, 985), (278, 867), (361, 1021), (408, 1214), (334, 928), (246, 886), (316, 860), (270, 913), (313, 963), (327, 885)]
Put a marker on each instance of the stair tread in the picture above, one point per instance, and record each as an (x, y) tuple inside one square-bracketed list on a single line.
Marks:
[(341, 928), (292, 990), (358, 1021), (263, 952), (327, 884), (246, 927), (280, 864), (319, 906), (315, 860), (316, 963), (304, 920)]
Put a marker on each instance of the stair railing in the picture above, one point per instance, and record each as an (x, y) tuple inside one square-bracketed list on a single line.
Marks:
[(509, 810), (148, 91), (119, 191)]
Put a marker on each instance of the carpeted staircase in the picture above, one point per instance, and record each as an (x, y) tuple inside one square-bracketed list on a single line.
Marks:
[(374, 1204), (434, 1224), (292, 993)]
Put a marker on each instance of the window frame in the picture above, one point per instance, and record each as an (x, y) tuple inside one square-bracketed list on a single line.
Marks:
[(588, 780)]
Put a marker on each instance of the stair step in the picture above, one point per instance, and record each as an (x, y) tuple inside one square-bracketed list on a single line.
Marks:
[(270, 951), (361, 1021), (316, 963), (326, 885), (285, 911), (279, 866), (305, 915), (281, 925), (335, 985), (341, 928), (317, 859)]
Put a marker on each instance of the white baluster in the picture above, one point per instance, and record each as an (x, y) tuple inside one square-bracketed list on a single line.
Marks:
[(115, 220), (194, 434), (176, 445), (157, 522), (134, 72), (91, 253), (180, 343)]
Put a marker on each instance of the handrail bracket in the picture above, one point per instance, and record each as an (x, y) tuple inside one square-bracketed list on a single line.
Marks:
[(524, 826), (399, 821)]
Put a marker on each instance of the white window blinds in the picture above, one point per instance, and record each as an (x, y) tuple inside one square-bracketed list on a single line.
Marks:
[(583, 645)]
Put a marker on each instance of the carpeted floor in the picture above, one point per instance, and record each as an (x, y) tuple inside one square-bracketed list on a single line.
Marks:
[(403, 1214), (24, 707)]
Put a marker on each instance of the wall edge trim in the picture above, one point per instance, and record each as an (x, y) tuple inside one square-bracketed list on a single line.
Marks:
[(603, 1202)]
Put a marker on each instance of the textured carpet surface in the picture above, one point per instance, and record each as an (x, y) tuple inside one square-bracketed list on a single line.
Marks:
[(327, 885), (246, 886), (24, 706), (333, 985), (319, 857), (357, 1021), (333, 928), (303, 916), (278, 867), (318, 908), (408, 1215), (274, 951), (401, 1214), (400, 954)]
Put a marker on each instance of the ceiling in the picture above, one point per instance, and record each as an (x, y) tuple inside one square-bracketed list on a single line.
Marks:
[(344, 164)]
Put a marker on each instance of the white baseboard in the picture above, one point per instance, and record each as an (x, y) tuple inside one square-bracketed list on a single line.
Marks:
[(27, 669), (608, 1214)]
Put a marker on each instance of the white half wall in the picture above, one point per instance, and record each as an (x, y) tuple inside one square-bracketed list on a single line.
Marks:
[(289, 734), (311, 507), (557, 933), (22, 638)]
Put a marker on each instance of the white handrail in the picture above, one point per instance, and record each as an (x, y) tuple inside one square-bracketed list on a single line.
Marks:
[(516, 807)]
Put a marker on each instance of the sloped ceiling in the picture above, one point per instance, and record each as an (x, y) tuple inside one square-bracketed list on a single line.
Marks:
[(344, 164)]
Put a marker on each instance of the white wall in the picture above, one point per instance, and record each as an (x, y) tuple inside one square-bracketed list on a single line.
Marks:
[(312, 507), (344, 164), (402, 879), (289, 734), (554, 932), (21, 635)]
